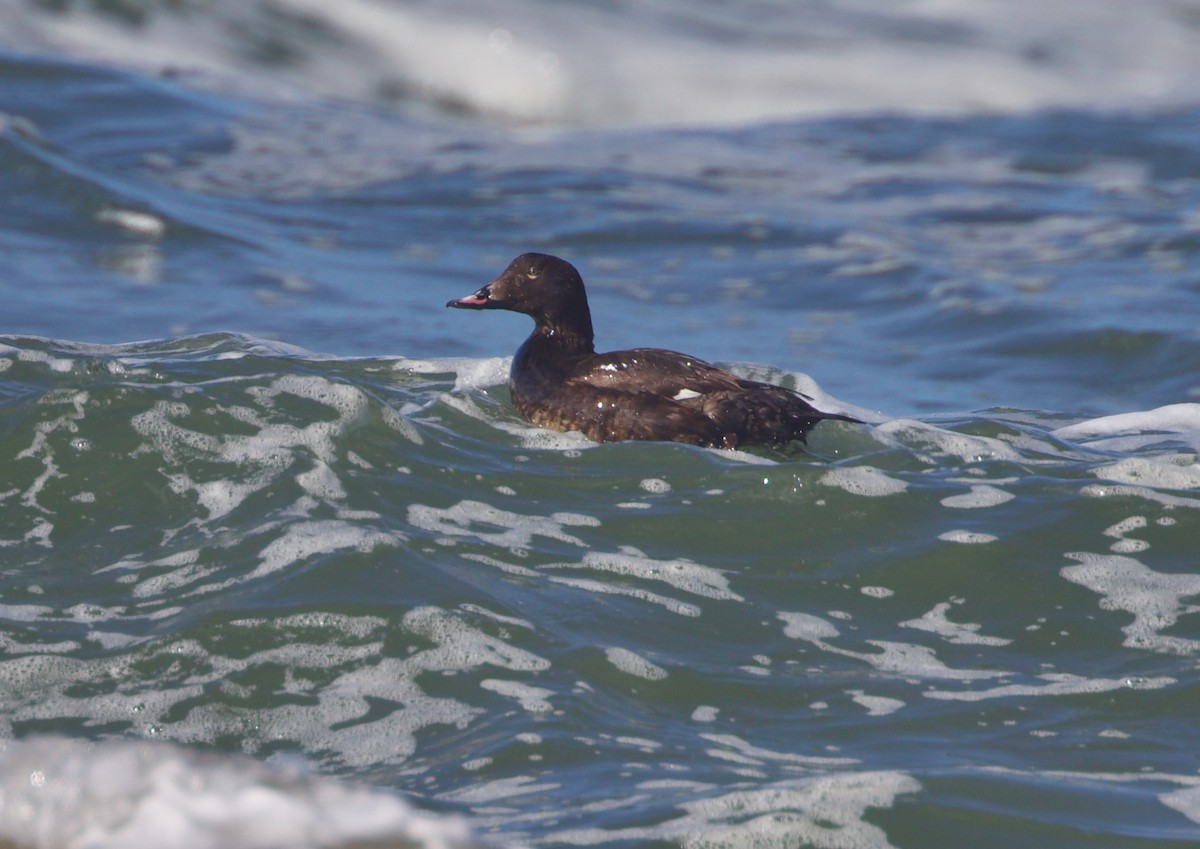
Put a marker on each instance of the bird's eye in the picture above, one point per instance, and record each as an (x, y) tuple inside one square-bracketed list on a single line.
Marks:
[(532, 274)]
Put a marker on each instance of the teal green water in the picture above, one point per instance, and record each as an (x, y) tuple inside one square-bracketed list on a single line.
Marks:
[(919, 632)]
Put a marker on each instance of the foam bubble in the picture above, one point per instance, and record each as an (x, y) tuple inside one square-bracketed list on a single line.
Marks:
[(298, 542), (42, 448), (1123, 545), (61, 793), (1153, 598), (255, 460), (655, 485), (532, 699), (1163, 498), (1159, 473), (1186, 801), (805, 626), (640, 743), (62, 365), (302, 540), (497, 789), (981, 495), (1173, 418), (863, 480), (682, 574), (812, 810), (634, 664), (899, 658), (876, 705), (758, 755), (329, 714), (947, 443), (475, 518), (935, 622), (460, 646), (1057, 684), (600, 587), (967, 537)]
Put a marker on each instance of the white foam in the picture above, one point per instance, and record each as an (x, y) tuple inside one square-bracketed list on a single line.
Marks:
[(474, 375), (1124, 526), (59, 793), (682, 574), (1153, 598), (295, 543), (260, 457), (460, 646), (805, 626), (1158, 473), (496, 790), (905, 659), (946, 443), (935, 622), (758, 755), (1057, 684), (634, 664), (1185, 800), (876, 705), (476, 519), (600, 587), (863, 480), (302, 540), (640, 743), (967, 537), (62, 365), (1173, 418), (330, 714), (981, 495), (336, 722), (824, 810), (41, 448), (532, 699), (655, 485), (1123, 544)]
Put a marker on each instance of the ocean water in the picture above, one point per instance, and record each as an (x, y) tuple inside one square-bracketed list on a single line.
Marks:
[(281, 566)]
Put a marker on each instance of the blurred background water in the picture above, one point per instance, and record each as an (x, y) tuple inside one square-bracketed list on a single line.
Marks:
[(279, 564)]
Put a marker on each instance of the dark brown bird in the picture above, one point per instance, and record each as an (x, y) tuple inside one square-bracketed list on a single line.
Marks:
[(558, 380)]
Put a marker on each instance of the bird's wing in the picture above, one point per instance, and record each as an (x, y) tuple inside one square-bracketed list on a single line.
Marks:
[(653, 371)]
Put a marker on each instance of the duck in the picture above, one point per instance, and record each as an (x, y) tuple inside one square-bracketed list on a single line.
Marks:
[(559, 381)]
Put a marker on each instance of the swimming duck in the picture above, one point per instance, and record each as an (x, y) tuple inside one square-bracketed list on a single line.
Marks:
[(558, 380)]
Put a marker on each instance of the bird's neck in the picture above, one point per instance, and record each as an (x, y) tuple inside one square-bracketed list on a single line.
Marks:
[(564, 338)]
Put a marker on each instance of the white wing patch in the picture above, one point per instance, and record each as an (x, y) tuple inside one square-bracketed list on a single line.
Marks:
[(684, 394)]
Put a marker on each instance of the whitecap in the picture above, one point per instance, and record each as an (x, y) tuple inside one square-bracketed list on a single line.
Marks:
[(139, 793)]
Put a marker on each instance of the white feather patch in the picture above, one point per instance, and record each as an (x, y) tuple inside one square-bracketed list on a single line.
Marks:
[(684, 394)]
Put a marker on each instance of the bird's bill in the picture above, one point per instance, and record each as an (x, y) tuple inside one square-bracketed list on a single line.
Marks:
[(475, 301)]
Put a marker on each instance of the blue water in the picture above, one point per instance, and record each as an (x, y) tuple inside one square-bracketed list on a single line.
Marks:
[(264, 498)]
